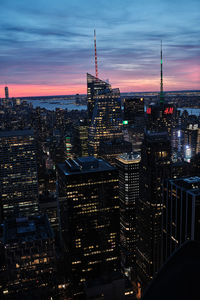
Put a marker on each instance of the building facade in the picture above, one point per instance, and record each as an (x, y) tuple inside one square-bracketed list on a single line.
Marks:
[(18, 173), (89, 215)]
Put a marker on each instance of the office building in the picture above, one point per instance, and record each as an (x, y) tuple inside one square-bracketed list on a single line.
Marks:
[(110, 150), (81, 139), (29, 248), (129, 179), (155, 167), (89, 214), (106, 124), (6, 93), (133, 109), (94, 85), (18, 173), (181, 213)]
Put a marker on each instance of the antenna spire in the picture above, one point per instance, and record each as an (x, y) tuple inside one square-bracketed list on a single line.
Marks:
[(95, 51), (161, 75)]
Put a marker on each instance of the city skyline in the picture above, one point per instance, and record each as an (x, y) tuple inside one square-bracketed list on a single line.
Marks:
[(48, 49)]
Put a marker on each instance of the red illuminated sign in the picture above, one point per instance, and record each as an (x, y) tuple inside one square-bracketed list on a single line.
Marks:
[(149, 110), (168, 111)]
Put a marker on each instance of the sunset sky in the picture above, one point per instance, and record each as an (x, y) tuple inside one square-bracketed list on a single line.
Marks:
[(47, 47)]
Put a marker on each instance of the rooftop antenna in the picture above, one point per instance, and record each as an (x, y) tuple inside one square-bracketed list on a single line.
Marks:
[(95, 50), (161, 76)]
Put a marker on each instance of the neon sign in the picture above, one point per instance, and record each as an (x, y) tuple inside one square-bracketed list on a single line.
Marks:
[(168, 111), (149, 110)]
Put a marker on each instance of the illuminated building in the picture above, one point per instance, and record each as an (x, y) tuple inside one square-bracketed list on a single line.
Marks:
[(89, 214), (6, 93), (191, 141), (181, 213), (129, 178), (18, 173), (94, 85), (133, 108), (155, 167), (106, 124), (68, 147), (81, 139), (29, 258), (48, 205)]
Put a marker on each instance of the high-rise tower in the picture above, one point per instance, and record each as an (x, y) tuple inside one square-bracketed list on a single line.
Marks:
[(6, 93), (18, 174), (89, 213)]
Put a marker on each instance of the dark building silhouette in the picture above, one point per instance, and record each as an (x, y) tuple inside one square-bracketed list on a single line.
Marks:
[(129, 179), (6, 93), (179, 276), (133, 109), (29, 248), (18, 173), (155, 164), (89, 214), (181, 213)]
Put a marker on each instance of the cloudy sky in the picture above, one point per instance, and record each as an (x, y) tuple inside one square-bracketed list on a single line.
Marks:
[(47, 47)]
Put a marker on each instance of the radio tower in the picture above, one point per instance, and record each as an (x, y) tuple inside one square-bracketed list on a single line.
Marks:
[(95, 50), (161, 77)]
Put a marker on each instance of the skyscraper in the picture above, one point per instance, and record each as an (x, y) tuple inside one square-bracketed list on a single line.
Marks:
[(6, 93), (89, 213), (181, 213), (94, 85), (18, 173), (106, 124), (155, 164), (129, 179)]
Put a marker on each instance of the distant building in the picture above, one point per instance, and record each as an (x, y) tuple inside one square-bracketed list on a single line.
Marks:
[(6, 93), (129, 180), (133, 108), (29, 258), (94, 85), (110, 150), (81, 139), (89, 214), (181, 213), (18, 173), (106, 124)]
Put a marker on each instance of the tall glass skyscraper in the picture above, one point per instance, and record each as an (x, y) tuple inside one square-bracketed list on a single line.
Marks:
[(106, 124)]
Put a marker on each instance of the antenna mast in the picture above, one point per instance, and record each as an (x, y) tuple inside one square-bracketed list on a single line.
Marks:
[(161, 76), (95, 50)]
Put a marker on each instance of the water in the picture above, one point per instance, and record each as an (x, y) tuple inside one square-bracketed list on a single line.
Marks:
[(191, 111), (53, 104)]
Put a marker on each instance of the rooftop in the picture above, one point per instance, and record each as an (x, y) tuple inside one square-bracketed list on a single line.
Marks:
[(16, 133), (84, 165), (191, 184), (130, 158), (26, 229)]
